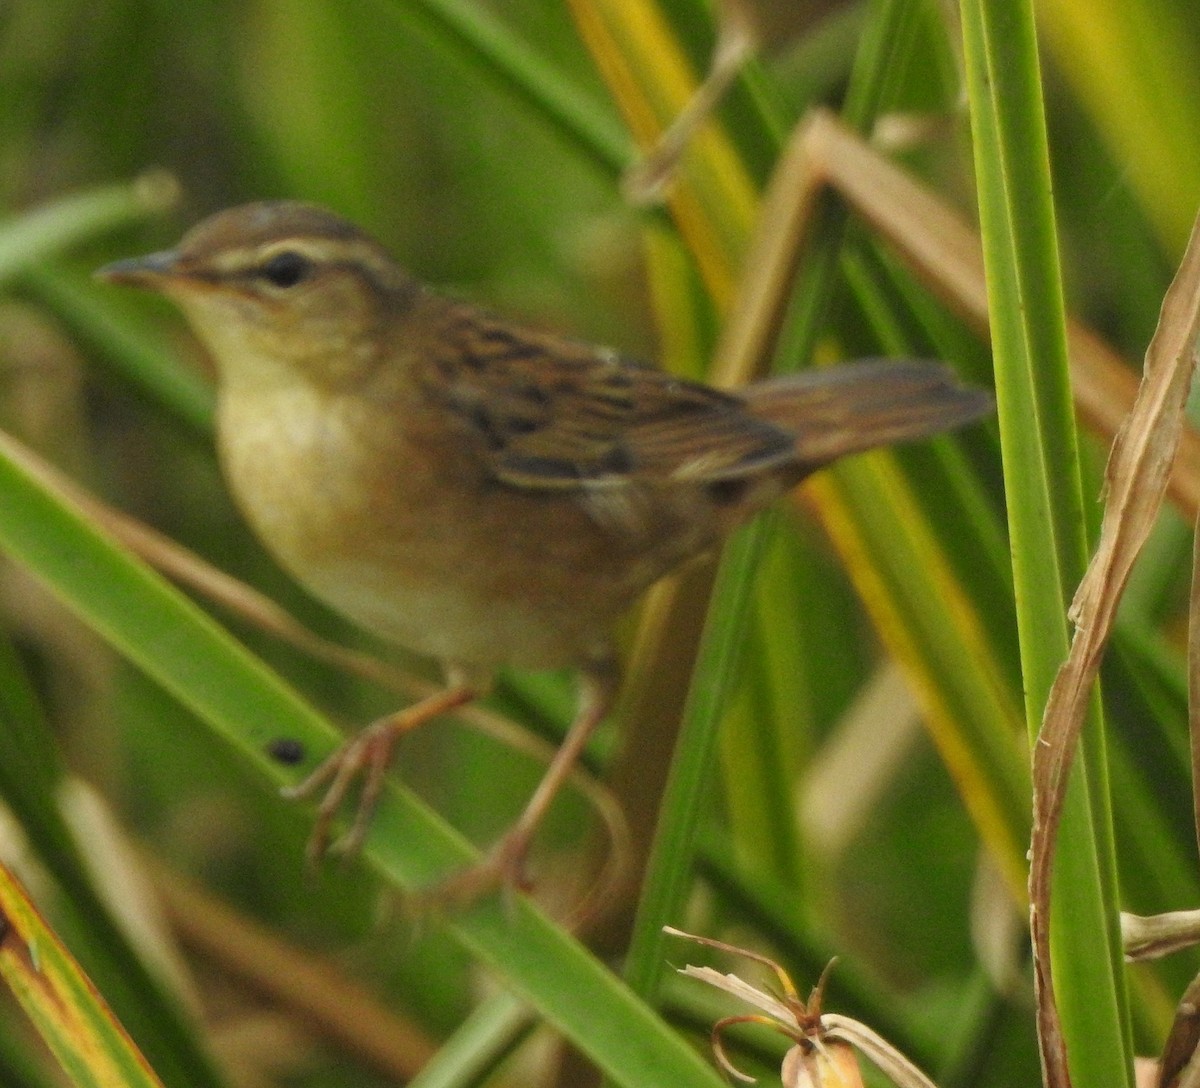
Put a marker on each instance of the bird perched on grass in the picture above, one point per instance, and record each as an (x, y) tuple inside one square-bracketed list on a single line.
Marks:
[(479, 492)]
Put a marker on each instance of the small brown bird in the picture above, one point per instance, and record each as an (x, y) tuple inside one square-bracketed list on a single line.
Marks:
[(479, 492)]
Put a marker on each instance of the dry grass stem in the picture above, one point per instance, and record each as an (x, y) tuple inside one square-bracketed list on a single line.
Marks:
[(1180, 1064), (1193, 678), (1136, 479), (1147, 937), (647, 181)]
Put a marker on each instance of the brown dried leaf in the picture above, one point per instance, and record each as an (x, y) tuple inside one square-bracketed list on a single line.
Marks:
[(1180, 1065), (741, 989), (1136, 480), (1149, 937), (1194, 678)]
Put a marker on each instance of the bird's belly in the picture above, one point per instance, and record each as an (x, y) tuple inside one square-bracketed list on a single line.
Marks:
[(464, 570), (449, 616)]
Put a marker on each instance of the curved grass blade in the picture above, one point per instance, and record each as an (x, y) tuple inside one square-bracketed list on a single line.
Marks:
[(1044, 499), (67, 1010), (190, 656), (46, 231)]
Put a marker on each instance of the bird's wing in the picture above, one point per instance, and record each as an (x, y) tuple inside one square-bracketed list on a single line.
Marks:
[(555, 415)]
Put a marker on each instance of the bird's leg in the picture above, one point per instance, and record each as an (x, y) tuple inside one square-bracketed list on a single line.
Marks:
[(504, 865), (366, 756)]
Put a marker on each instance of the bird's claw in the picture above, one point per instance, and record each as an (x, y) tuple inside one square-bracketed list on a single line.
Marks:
[(502, 869), (364, 758)]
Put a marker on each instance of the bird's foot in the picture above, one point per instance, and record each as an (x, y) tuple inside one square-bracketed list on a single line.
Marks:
[(502, 869), (364, 758), (362, 762)]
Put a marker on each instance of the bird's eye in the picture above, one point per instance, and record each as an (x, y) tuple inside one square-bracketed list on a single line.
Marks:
[(286, 269)]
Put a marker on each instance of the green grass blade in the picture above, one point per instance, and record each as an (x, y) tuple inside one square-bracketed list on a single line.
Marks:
[(190, 656), (668, 874), (932, 628), (141, 361), (29, 245), (1044, 500), (887, 32), (53, 228), (67, 1010), (543, 88), (30, 784), (486, 1036)]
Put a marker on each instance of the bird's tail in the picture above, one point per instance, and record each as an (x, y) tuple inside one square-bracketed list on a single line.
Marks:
[(847, 409)]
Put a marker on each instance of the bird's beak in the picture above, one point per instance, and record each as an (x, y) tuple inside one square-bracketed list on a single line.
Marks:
[(152, 271)]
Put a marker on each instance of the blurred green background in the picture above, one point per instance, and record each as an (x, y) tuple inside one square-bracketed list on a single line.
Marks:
[(482, 145)]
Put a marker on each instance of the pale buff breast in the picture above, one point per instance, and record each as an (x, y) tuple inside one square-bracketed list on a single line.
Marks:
[(413, 544)]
